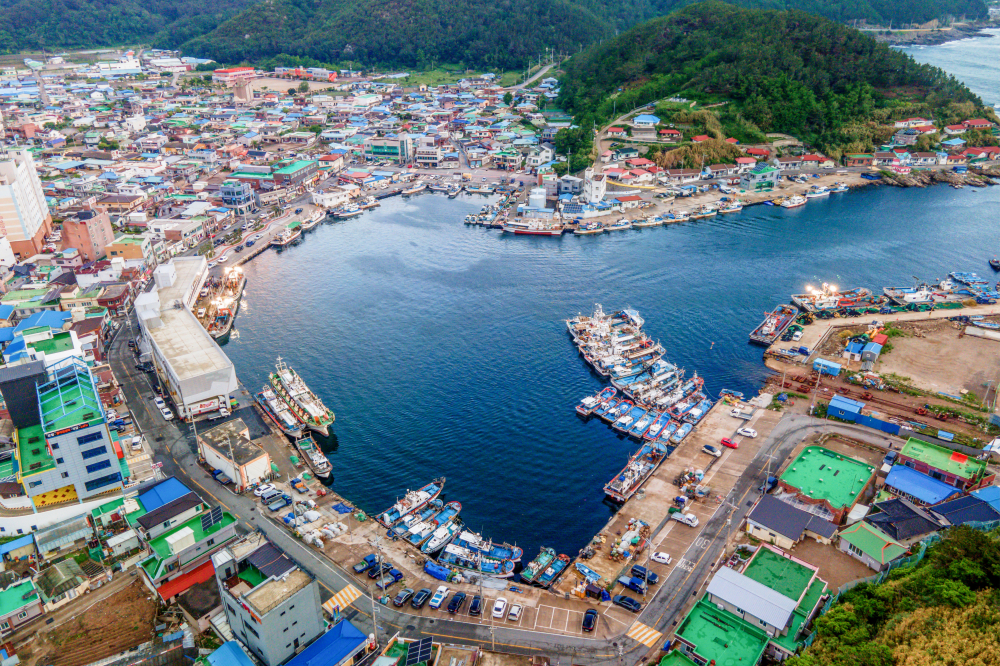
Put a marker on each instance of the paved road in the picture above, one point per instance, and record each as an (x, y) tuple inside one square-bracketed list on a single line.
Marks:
[(539, 74)]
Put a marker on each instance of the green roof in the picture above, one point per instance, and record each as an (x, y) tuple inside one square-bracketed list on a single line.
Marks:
[(33, 456), (295, 225), (161, 549), (11, 598), (873, 542), (129, 240), (677, 658), (19, 295), (69, 400), (782, 574), (946, 460), (252, 576), (799, 617), (294, 166), (722, 637), (58, 343), (107, 507), (820, 473)]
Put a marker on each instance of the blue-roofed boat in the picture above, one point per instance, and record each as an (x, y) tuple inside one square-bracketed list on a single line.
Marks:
[(668, 433), (402, 529), (536, 566), (419, 534), (463, 558), (554, 570), (500, 551), (589, 574), (602, 409), (414, 500), (642, 424), (624, 422), (640, 466), (619, 410), (654, 430), (698, 412), (448, 527), (681, 433), (588, 404)]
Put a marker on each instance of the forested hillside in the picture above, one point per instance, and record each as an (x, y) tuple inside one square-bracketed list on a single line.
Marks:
[(774, 71)]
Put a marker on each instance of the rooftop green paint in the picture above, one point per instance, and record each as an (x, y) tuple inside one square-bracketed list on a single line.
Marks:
[(294, 167), (946, 460), (58, 343), (25, 451), (873, 542), (721, 636), (823, 474), (10, 598), (781, 574), (161, 549), (68, 402)]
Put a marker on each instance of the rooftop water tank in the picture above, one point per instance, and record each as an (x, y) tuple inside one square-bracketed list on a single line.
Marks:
[(536, 198)]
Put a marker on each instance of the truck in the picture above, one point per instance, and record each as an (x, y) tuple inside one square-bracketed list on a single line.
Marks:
[(280, 503), (390, 579), (633, 583), (298, 485), (741, 414)]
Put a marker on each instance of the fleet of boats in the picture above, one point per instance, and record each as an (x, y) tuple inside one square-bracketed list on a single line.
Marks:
[(649, 398)]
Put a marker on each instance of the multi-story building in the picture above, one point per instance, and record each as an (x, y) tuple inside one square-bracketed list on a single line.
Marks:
[(952, 467), (24, 215), (20, 603), (238, 195), (88, 231), (295, 174), (234, 75), (135, 248), (594, 186), (397, 148), (63, 447), (272, 605)]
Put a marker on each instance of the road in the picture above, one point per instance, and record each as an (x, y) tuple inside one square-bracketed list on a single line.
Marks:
[(539, 74)]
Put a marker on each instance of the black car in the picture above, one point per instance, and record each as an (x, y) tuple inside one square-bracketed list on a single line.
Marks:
[(379, 571), (403, 596), (298, 210), (476, 607), (456, 602), (590, 620), (239, 248), (627, 603), (645, 574), (420, 598)]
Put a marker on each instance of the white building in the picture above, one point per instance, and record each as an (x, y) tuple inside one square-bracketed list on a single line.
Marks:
[(594, 186), (198, 375), (24, 215)]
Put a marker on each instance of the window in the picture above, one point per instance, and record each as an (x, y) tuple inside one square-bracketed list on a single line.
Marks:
[(104, 481), (854, 549), (295, 623), (55, 446), (65, 475), (34, 484), (253, 631), (210, 542), (59, 461), (166, 524), (96, 451), (5, 625), (104, 464), (92, 437), (22, 615)]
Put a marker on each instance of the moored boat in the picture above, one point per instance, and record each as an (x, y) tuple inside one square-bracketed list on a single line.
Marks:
[(794, 201), (620, 225), (442, 536), (588, 404), (418, 186), (774, 324), (537, 566), (476, 543), (639, 468), (553, 571), (414, 520), (412, 501), (419, 534), (350, 210), (588, 228), (463, 558), (318, 463), (277, 411), (300, 399), (287, 237)]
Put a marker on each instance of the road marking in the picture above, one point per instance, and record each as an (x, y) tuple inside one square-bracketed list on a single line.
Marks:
[(645, 635), (343, 599), (701, 543), (685, 565)]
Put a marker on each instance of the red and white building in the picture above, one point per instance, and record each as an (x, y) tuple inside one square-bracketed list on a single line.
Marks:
[(234, 75)]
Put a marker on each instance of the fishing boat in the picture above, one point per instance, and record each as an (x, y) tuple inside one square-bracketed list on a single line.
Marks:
[(286, 237), (602, 409), (620, 225), (794, 201), (476, 543), (311, 222), (733, 206), (703, 212), (369, 202), (681, 433), (679, 216), (995, 264), (625, 421), (639, 468), (589, 228), (657, 426), (698, 412), (981, 323), (454, 191), (300, 399), (619, 410), (442, 536), (318, 463), (463, 558), (588, 404), (537, 566), (588, 574), (828, 297), (774, 324), (642, 424), (839, 187), (647, 222), (419, 534), (533, 228), (415, 519), (278, 413), (437, 187), (816, 192), (350, 210), (418, 186), (412, 501), (553, 571)]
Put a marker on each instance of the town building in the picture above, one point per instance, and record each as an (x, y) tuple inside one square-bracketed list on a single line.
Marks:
[(760, 177), (271, 604), (132, 248), (783, 525), (89, 231), (829, 482), (20, 603), (233, 75), (870, 545), (24, 214), (239, 196), (952, 467), (227, 447)]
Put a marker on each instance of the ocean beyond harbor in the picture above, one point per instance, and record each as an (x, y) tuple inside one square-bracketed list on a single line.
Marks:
[(442, 348)]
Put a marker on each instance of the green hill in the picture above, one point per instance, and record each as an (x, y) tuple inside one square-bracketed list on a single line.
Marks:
[(771, 71)]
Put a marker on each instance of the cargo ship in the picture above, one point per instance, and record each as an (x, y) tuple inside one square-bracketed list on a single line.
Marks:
[(301, 401), (774, 325)]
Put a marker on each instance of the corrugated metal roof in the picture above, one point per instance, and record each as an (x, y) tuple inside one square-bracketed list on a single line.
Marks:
[(755, 598)]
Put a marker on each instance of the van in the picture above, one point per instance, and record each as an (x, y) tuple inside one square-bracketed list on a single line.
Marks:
[(201, 312), (270, 496)]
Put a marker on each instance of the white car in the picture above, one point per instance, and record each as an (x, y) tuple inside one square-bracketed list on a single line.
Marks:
[(661, 557), (167, 414), (439, 597), (688, 519), (266, 488), (514, 613), (747, 432), (499, 608), (159, 403), (137, 443), (711, 450), (224, 258)]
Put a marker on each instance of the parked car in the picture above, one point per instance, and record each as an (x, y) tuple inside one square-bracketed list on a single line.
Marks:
[(688, 519), (298, 210), (711, 450), (627, 603), (661, 557), (403, 596), (456, 602), (389, 579), (379, 570), (476, 607), (159, 403), (890, 458), (420, 598), (136, 443), (499, 608), (590, 620), (167, 414), (645, 574), (514, 613), (365, 564), (633, 583), (439, 597), (747, 432), (729, 443)]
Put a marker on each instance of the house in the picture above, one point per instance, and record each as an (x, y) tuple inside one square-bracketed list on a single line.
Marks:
[(628, 202), (788, 163), (617, 132), (784, 525), (967, 509), (953, 145), (923, 159), (829, 481), (759, 153), (20, 603), (645, 120), (977, 123), (917, 487), (760, 177), (228, 447), (744, 164), (885, 159), (952, 467), (341, 645), (859, 160), (700, 138), (670, 135), (721, 170), (904, 521), (870, 545), (952, 130), (817, 161), (62, 582)]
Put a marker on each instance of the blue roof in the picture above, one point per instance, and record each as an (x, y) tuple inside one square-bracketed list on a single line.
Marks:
[(919, 485), (967, 509), (26, 540), (989, 494), (854, 347), (162, 493), (873, 347), (229, 654), (332, 648), (646, 118), (845, 404), (52, 318), (6, 310)]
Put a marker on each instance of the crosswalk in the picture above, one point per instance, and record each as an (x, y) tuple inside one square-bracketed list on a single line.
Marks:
[(342, 599), (645, 635), (144, 456)]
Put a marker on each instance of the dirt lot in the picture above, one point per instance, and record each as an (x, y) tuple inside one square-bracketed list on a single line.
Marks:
[(937, 359), (281, 85), (835, 567), (115, 624)]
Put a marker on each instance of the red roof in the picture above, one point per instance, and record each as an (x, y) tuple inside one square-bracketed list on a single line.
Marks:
[(631, 197), (813, 158), (745, 160), (174, 587), (880, 339), (232, 70), (955, 127), (732, 140), (700, 137), (615, 129), (758, 151), (978, 122), (669, 131)]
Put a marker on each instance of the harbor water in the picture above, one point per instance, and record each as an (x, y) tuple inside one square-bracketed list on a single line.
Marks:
[(443, 351), (974, 61)]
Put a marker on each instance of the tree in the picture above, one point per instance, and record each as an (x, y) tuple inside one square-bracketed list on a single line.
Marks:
[(291, 91), (304, 87), (508, 98)]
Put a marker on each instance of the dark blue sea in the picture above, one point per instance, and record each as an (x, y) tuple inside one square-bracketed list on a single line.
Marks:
[(443, 351)]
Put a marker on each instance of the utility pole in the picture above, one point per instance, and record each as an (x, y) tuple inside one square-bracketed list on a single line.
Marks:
[(377, 544)]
